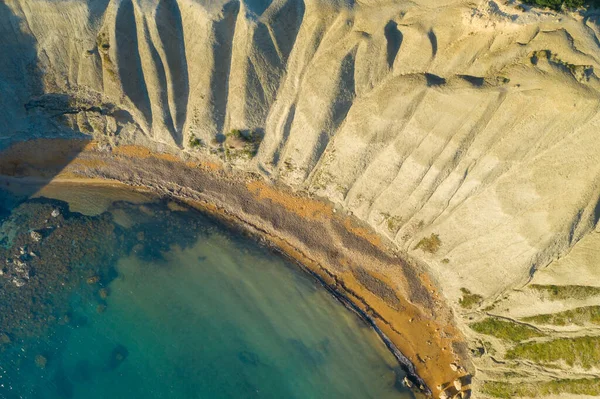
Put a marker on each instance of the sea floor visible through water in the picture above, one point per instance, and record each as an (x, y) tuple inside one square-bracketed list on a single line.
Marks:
[(110, 293)]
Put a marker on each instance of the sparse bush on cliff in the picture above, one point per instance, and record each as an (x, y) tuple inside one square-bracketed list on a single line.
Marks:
[(430, 244), (244, 143), (195, 142), (469, 299)]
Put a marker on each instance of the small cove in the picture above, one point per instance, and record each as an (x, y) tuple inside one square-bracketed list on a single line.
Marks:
[(169, 303)]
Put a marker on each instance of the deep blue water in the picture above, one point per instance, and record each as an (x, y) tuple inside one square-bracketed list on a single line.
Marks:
[(154, 300)]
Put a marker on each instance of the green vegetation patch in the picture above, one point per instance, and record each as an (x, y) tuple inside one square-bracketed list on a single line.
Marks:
[(504, 390), (581, 351), (561, 292), (195, 142), (244, 143), (430, 244), (578, 316), (393, 222), (469, 299), (506, 330), (559, 4)]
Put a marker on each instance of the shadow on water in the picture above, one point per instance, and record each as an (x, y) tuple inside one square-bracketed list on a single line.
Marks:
[(21, 82), (28, 162)]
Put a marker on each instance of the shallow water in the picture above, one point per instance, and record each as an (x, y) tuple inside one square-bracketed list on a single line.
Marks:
[(153, 300)]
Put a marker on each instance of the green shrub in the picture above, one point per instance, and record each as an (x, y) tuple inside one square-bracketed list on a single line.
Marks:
[(469, 299), (250, 143), (236, 133), (195, 142), (430, 244), (506, 330), (393, 222), (559, 4), (578, 316), (561, 292), (504, 390), (582, 351)]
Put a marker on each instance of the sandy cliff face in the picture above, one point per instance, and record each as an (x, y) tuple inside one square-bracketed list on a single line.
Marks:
[(466, 132)]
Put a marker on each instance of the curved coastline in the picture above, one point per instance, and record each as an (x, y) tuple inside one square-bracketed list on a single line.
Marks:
[(408, 324), (405, 363)]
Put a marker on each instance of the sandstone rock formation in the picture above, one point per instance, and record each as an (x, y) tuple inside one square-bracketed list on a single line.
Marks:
[(466, 132)]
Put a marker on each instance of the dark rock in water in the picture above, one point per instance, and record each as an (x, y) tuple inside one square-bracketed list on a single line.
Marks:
[(323, 346), (309, 355), (79, 320), (250, 358), (93, 280), (117, 356), (402, 381), (4, 339), (43, 265), (64, 386), (83, 371), (103, 293)]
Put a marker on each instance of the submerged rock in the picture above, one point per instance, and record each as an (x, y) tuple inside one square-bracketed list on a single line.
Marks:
[(248, 357), (4, 339), (46, 275), (41, 361), (93, 280), (117, 356), (103, 293)]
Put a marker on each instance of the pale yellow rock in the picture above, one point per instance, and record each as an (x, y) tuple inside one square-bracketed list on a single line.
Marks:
[(457, 384)]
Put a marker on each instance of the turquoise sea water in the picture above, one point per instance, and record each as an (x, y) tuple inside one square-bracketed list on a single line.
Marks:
[(154, 300)]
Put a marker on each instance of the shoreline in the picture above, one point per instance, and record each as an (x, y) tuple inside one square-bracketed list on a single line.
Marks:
[(253, 231), (390, 294), (404, 362)]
